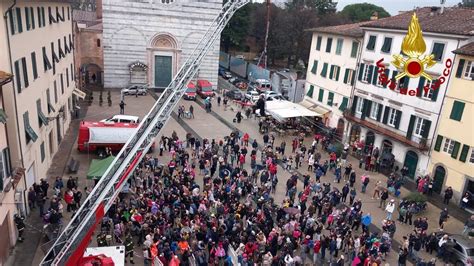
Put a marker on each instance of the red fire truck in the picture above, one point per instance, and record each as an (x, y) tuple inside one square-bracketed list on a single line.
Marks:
[(204, 89)]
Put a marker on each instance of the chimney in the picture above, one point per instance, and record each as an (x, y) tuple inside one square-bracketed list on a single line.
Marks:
[(434, 10), (442, 6), (98, 9), (374, 16)]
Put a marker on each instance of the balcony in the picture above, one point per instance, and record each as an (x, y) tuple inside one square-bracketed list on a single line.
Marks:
[(418, 143)]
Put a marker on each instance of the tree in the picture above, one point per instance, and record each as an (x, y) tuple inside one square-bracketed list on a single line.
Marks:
[(466, 3), (363, 12), (235, 33)]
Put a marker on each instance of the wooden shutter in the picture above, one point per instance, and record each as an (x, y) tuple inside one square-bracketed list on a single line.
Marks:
[(426, 130), (375, 76), (411, 125), (387, 73), (364, 109), (398, 117), (338, 70), (369, 75), (455, 152), (460, 68), (379, 113), (346, 76), (434, 96), (439, 140), (321, 95), (331, 72), (361, 71), (368, 108), (464, 152), (354, 104), (457, 110), (385, 114), (421, 84)]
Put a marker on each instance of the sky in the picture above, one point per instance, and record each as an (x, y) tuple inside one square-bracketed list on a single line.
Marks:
[(393, 6)]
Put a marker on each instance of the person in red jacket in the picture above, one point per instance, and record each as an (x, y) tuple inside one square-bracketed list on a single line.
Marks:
[(316, 249), (245, 139), (69, 199)]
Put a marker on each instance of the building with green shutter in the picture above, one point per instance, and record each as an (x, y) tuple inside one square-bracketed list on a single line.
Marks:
[(331, 74), (403, 127), (452, 156)]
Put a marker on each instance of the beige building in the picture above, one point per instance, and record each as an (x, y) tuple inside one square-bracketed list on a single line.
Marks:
[(38, 44), (452, 158)]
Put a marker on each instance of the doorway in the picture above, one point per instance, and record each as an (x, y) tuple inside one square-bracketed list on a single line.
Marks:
[(340, 129), (387, 146), (355, 134), (470, 189), (163, 71), (411, 161), (440, 174), (369, 142)]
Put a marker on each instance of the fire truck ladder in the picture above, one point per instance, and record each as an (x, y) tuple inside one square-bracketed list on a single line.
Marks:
[(69, 248)]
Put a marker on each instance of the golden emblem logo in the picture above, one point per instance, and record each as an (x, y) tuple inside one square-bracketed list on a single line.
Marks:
[(414, 63)]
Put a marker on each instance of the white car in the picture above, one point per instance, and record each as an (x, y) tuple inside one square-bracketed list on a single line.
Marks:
[(122, 119), (271, 94), (227, 75), (252, 96), (135, 89), (240, 57), (275, 97)]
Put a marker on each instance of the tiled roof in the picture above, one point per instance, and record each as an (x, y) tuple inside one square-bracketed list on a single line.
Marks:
[(453, 20), (467, 49), (5, 77), (96, 27), (352, 30), (83, 16)]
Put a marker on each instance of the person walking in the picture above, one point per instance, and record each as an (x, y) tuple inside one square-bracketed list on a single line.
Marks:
[(191, 111), (129, 249), (390, 209), (365, 182), (448, 194), (20, 226), (443, 218), (383, 198), (122, 107)]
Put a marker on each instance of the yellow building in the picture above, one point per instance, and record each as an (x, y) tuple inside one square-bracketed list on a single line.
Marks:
[(452, 158)]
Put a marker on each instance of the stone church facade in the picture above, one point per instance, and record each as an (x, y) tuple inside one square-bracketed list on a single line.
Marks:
[(147, 41)]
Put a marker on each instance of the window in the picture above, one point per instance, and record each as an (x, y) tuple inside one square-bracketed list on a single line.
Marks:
[(328, 45), (72, 72), (471, 159), (427, 94), (28, 18), (16, 25), (41, 17), (339, 46), (68, 14), (448, 145), (55, 92), (457, 110), (324, 71), (349, 76), (387, 45), (62, 83), (42, 151), (48, 101), (318, 43), (360, 106), (392, 117), (374, 110), (46, 63), (67, 77), (420, 126), (42, 119), (33, 63), (30, 134), (371, 43), (365, 76), (321, 95), (21, 74), (438, 49), (334, 72), (315, 67), (330, 98), (310, 91), (469, 70), (355, 47), (343, 105)]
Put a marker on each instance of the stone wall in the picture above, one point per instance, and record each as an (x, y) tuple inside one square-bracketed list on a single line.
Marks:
[(130, 26)]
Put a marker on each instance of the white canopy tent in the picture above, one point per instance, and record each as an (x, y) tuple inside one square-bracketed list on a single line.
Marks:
[(112, 135), (285, 109)]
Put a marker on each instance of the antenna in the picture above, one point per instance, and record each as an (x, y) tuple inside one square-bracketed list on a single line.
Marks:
[(442, 2)]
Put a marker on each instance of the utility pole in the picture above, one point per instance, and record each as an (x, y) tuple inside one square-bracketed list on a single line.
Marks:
[(262, 61)]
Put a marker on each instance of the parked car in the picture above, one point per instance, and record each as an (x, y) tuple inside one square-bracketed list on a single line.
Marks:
[(227, 75), (275, 97), (240, 57), (122, 119), (242, 85), (234, 95), (459, 248), (133, 89), (221, 71), (252, 95), (268, 94)]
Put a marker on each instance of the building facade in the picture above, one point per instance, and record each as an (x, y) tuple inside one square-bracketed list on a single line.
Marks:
[(148, 41), (331, 73), (402, 124), (452, 157), (37, 38)]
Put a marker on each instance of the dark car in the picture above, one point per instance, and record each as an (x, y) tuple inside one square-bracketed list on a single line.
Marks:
[(235, 95)]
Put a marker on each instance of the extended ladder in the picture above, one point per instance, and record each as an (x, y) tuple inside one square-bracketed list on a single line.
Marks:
[(71, 244)]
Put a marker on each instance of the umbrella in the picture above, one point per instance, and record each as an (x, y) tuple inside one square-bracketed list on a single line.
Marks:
[(291, 210)]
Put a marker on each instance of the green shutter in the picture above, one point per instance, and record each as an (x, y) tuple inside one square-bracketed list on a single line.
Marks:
[(321, 95), (411, 125), (421, 84), (354, 104), (33, 63), (310, 91), (25, 72), (12, 27), (353, 77), (315, 67), (27, 17), (355, 46), (18, 17), (460, 68), (3, 116), (426, 130), (42, 152), (387, 73), (375, 76), (330, 98), (379, 113), (464, 152), (385, 114), (364, 109), (343, 105), (369, 75), (328, 45), (368, 107), (361, 71), (346, 76), (324, 71), (30, 134), (398, 117), (331, 71), (455, 152), (457, 110), (338, 70), (318, 43), (439, 140), (434, 96)]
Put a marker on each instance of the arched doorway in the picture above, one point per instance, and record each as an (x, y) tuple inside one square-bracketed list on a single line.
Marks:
[(438, 180), (369, 142), (355, 134), (162, 59), (138, 73), (387, 146), (91, 74), (411, 161), (340, 129)]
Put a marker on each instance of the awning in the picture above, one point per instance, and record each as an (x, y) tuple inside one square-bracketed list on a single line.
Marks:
[(285, 109), (42, 118), (321, 111), (79, 93), (315, 107), (3, 116), (98, 167), (112, 135)]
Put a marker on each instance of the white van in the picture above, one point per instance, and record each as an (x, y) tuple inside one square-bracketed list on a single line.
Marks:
[(122, 119)]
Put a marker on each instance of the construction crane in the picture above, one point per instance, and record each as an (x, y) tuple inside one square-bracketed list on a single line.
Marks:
[(262, 60), (69, 247)]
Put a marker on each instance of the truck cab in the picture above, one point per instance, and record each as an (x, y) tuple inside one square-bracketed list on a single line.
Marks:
[(204, 89), (262, 85), (190, 93)]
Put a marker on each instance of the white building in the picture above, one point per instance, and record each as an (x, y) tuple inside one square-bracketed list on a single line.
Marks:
[(331, 73), (147, 41), (401, 124)]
